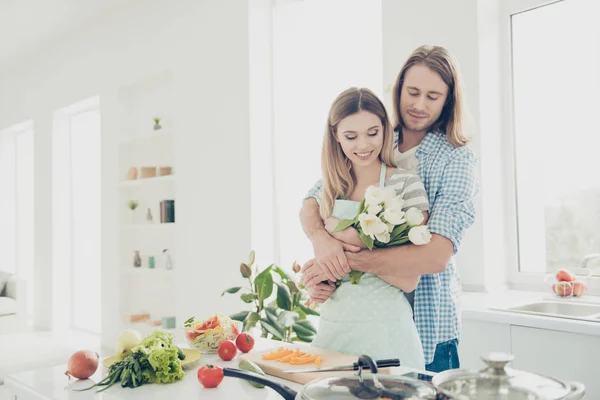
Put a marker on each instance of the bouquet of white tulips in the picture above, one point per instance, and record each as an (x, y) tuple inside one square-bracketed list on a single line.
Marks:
[(381, 222)]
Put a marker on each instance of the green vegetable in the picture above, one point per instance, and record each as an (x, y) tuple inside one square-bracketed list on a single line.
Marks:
[(155, 360), (163, 357), (189, 322), (131, 372), (248, 365)]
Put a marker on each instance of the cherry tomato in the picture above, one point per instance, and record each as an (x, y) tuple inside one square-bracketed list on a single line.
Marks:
[(227, 350), (210, 376), (211, 323), (244, 342), (191, 335)]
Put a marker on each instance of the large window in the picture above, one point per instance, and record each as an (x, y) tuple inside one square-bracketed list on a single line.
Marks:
[(556, 85), (318, 51), (16, 207)]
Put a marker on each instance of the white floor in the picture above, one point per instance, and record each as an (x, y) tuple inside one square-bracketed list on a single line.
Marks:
[(30, 350)]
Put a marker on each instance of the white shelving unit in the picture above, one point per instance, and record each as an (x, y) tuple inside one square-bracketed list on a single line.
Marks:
[(145, 290)]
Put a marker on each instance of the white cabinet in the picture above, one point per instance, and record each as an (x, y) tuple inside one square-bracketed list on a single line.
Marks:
[(479, 338), (564, 355)]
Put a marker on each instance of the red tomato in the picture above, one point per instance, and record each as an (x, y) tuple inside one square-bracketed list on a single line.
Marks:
[(244, 342), (235, 330), (211, 323), (210, 375), (227, 350), (191, 335)]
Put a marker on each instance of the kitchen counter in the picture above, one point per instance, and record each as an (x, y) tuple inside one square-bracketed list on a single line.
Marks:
[(52, 384), (480, 306), (563, 348)]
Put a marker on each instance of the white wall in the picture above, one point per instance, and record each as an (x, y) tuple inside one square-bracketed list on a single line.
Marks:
[(204, 44), (455, 26)]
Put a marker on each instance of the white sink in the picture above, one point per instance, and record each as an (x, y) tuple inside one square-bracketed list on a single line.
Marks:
[(560, 309)]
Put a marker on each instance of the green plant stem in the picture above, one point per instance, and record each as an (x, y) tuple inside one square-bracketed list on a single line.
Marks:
[(256, 299)]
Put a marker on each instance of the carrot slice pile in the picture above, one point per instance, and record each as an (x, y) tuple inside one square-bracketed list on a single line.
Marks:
[(294, 357)]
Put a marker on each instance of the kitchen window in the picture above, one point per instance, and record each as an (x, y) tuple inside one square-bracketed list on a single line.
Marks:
[(16, 207), (554, 64), (313, 61), (76, 216)]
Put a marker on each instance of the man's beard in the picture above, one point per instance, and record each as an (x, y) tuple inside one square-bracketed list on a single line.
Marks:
[(416, 126)]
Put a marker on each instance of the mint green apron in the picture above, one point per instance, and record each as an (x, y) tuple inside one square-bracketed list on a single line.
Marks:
[(372, 317)]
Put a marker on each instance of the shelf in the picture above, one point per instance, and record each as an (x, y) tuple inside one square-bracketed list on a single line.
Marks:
[(148, 181), (161, 133)]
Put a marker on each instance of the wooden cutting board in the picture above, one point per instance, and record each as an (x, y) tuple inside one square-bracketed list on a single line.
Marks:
[(330, 359)]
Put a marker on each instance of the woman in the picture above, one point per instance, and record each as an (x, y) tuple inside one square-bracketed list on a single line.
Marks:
[(372, 317)]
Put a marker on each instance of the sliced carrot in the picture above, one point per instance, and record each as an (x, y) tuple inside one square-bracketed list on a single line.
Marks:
[(294, 357), (303, 360), (274, 351), (286, 358), (276, 355)]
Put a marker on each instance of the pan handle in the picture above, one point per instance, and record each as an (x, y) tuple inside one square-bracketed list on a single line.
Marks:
[(285, 391), (365, 360)]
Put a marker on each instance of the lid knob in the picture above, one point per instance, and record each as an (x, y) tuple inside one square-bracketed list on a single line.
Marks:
[(496, 362)]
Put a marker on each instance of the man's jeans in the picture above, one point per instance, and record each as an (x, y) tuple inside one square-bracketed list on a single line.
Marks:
[(445, 357)]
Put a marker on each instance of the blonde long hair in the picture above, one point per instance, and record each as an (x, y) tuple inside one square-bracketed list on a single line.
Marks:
[(338, 177), (452, 118)]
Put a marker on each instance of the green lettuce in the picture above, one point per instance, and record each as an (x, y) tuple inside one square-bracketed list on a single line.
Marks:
[(161, 354)]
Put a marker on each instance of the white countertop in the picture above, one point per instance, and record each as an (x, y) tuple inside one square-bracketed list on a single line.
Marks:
[(52, 384), (480, 306)]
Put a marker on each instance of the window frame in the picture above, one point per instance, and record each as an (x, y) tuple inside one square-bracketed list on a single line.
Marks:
[(62, 126), (15, 131), (516, 278)]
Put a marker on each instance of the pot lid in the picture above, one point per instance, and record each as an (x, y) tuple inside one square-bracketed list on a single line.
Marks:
[(394, 387), (499, 382), (368, 386)]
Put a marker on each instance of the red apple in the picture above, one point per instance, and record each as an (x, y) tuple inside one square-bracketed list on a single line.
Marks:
[(563, 289), (579, 288), (564, 275)]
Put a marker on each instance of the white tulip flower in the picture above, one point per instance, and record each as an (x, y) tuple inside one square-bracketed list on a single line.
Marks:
[(419, 235), (414, 217)]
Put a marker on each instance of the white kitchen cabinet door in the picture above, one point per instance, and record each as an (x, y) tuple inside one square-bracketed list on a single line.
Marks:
[(479, 338), (562, 355)]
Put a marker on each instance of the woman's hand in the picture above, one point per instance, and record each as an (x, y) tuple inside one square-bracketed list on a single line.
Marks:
[(313, 275), (348, 236), (330, 256)]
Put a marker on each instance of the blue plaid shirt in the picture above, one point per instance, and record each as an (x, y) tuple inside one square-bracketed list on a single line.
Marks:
[(450, 180)]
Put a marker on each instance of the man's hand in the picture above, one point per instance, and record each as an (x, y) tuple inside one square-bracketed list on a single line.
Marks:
[(321, 292), (313, 274)]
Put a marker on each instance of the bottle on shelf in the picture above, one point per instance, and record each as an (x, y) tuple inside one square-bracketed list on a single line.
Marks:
[(137, 260), (168, 259)]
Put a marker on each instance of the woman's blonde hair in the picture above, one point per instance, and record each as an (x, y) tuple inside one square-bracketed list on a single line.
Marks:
[(452, 118), (338, 177)]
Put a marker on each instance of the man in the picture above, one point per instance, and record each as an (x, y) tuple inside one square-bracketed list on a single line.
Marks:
[(428, 111)]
